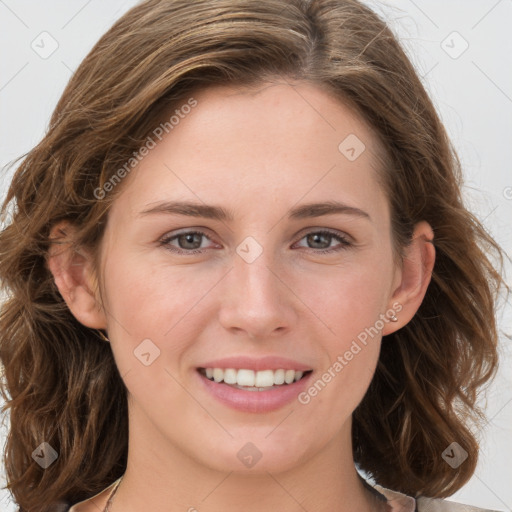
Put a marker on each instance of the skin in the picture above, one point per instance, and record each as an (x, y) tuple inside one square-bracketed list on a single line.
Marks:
[(257, 152)]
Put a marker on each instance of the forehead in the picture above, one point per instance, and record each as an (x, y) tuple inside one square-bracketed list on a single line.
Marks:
[(279, 113), (276, 140)]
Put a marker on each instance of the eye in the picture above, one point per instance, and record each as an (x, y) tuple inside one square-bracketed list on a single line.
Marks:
[(322, 240), (189, 242)]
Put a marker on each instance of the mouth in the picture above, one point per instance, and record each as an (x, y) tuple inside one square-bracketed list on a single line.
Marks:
[(251, 380)]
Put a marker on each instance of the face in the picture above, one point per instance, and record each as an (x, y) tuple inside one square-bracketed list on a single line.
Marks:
[(248, 275)]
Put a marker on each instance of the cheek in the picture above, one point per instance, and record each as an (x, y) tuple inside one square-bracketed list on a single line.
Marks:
[(347, 298), (350, 348), (152, 318), (347, 303), (148, 299)]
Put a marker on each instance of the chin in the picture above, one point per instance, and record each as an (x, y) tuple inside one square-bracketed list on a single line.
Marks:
[(255, 455)]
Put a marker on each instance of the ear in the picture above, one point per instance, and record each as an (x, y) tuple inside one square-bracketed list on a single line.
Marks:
[(412, 279), (74, 276)]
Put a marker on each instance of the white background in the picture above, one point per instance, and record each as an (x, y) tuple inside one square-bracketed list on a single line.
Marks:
[(473, 93)]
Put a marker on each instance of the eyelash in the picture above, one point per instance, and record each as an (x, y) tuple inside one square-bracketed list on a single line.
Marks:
[(344, 242)]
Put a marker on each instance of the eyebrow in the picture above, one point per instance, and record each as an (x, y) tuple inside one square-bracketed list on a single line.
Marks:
[(304, 211)]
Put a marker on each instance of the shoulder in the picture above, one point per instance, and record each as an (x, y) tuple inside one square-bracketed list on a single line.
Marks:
[(401, 503), (94, 504), (97, 502), (439, 505)]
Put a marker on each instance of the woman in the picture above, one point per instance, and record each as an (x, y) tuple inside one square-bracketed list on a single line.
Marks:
[(238, 265)]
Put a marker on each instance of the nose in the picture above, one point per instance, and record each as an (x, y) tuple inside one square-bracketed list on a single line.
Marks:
[(256, 300)]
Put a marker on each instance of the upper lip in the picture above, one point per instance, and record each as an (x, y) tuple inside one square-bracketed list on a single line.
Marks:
[(256, 364)]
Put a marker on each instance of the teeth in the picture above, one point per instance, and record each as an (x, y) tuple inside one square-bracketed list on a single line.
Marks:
[(244, 377), (230, 376), (264, 379), (279, 377), (252, 379), (288, 376)]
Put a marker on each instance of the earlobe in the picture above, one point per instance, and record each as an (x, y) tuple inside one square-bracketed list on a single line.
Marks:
[(74, 277), (416, 273)]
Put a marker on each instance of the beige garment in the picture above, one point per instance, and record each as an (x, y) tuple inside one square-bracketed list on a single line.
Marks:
[(397, 503), (78, 507), (402, 503)]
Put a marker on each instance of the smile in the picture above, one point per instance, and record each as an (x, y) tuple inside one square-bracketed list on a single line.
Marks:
[(250, 380), (253, 390)]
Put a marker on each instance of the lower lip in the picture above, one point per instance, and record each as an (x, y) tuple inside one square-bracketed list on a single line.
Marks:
[(255, 401)]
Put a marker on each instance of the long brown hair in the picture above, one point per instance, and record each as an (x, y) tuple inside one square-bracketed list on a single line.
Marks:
[(61, 384)]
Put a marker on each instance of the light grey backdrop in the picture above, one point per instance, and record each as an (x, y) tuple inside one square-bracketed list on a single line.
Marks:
[(461, 48)]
